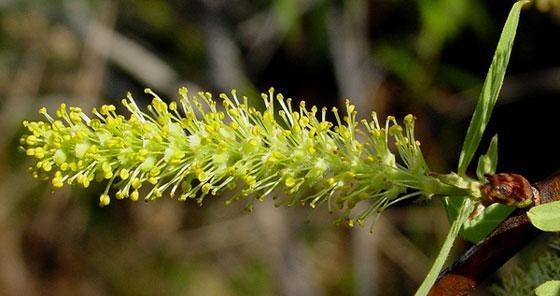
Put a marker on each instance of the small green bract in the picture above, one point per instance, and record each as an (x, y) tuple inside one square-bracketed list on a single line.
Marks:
[(193, 149)]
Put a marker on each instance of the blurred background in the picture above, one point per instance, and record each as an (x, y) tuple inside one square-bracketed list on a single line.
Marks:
[(427, 57)]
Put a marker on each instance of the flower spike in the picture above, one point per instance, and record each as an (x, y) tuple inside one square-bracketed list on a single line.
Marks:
[(190, 149)]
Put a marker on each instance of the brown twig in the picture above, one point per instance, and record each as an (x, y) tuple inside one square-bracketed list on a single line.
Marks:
[(489, 255)]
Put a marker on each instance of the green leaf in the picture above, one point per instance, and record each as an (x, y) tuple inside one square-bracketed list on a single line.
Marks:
[(488, 162), (466, 208), (490, 89), (478, 228), (546, 217), (549, 288), (487, 100)]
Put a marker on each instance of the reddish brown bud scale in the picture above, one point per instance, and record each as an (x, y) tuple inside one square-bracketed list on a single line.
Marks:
[(508, 189)]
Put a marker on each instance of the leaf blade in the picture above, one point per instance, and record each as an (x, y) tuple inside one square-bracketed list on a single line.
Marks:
[(488, 162), (430, 279), (478, 228), (490, 89), (546, 217), (486, 102)]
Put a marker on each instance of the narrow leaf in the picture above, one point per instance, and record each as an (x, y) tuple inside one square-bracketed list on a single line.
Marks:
[(486, 102), (487, 99), (488, 162), (430, 279), (490, 89), (546, 217)]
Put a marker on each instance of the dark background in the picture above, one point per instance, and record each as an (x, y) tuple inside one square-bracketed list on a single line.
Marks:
[(427, 57)]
